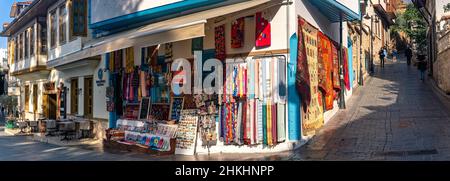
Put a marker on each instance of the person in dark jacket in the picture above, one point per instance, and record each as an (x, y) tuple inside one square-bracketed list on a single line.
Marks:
[(408, 54), (422, 66), (382, 55)]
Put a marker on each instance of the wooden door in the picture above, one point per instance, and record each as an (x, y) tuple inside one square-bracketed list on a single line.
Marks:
[(74, 96), (52, 106), (35, 98), (27, 98), (45, 105), (88, 97)]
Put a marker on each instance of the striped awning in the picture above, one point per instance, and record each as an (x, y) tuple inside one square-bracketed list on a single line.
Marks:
[(334, 10)]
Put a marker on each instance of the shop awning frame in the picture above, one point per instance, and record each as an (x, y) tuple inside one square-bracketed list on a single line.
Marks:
[(333, 10), (172, 30)]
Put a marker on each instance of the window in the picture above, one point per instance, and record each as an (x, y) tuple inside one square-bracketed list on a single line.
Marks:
[(16, 47), (32, 41), (43, 37), (20, 47), (78, 17), (27, 39), (53, 29), (62, 24)]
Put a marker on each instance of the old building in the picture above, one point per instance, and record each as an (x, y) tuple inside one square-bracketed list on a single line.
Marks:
[(27, 45), (438, 41)]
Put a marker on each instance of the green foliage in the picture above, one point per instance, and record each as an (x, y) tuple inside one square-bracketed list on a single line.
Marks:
[(447, 7), (9, 102), (413, 24)]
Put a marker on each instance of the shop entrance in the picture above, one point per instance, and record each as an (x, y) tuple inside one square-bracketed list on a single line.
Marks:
[(88, 97), (52, 106)]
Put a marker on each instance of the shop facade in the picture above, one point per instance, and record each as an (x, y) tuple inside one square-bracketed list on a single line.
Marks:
[(142, 69), (281, 69)]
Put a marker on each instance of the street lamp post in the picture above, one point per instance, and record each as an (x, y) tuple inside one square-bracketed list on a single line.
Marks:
[(367, 16)]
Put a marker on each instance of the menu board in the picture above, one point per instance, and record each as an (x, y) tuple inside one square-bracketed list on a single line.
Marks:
[(176, 106), (144, 108), (187, 133), (159, 111)]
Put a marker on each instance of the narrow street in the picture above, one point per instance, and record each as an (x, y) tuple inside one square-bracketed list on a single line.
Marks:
[(394, 116)]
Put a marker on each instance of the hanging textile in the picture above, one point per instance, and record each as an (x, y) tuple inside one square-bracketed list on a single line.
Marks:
[(336, 78), (313, 114), (263, 31), (197, 44), (237, 33), (112, 57), (325, 69), (143, 84), (345, 64), (118, 60), (282, 86), (220, 43), (303, 77), (281, 124), (168, 52), (129, 65)]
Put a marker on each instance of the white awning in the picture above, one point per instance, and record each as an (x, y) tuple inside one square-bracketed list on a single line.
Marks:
[(172, 30)]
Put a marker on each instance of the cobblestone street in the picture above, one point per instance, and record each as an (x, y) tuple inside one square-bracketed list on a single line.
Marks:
[(394, 116)]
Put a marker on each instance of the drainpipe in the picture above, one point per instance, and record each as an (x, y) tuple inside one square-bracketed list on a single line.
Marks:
[(361, 76), (341, 63)]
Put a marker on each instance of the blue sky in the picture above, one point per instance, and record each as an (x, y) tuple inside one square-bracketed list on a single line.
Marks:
[(5, 7)]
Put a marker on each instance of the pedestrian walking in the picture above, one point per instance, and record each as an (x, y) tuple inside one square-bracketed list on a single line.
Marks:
[(422, 66), (408, 54), (394, 55), (382, 55)]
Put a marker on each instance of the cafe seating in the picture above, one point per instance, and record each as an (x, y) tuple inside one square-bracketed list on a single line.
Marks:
[(84, 126), (51, 127), (67, 129), (34, 126), (23, 125)]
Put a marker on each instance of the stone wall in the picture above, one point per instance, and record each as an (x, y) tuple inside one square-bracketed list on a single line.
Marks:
[(441, 68)]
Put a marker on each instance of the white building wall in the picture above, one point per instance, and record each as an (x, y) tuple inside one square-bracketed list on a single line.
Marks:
[(104, 10), (71, 46)]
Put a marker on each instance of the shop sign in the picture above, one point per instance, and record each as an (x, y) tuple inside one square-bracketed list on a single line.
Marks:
[(100, 82), (49, 86)]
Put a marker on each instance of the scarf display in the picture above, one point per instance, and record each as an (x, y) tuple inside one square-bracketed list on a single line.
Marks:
[(313, 114), (118, 60), (168, 52), (263, 31), (220, 43), (303, 77), (129, 61), (325, 65), (248, 117), (237, 33)]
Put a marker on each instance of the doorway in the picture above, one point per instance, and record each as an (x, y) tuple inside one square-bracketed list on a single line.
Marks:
[(88, 97), (74, 96), (52, 106)]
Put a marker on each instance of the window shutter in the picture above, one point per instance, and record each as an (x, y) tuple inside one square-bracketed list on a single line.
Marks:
[(79, 17)]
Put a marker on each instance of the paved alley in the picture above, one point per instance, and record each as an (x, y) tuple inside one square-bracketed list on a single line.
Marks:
[(394, 116)]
